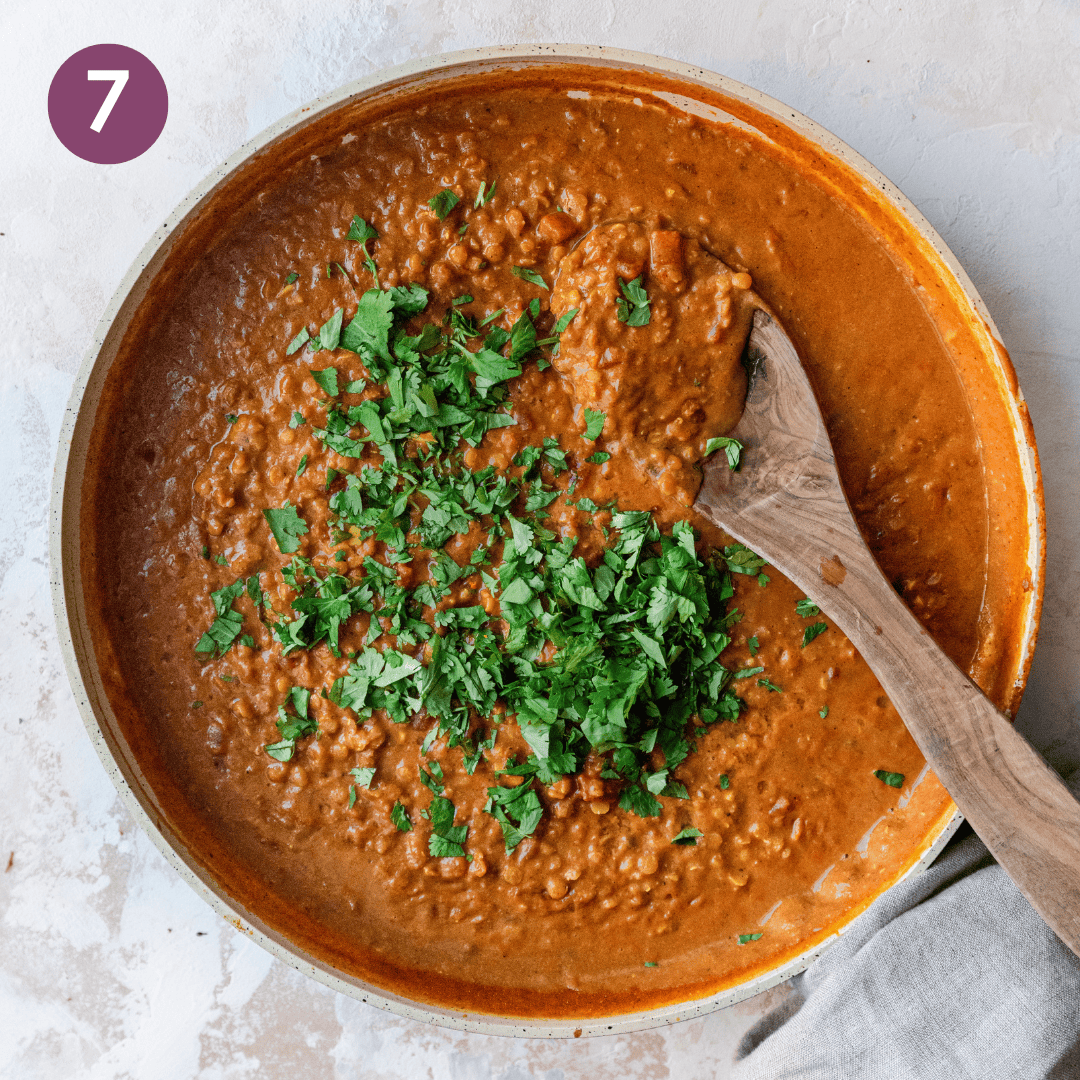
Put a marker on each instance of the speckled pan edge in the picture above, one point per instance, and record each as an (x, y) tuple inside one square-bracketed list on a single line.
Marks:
[(65, 580)]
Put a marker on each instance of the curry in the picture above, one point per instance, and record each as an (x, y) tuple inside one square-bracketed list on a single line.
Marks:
[(398, 589)]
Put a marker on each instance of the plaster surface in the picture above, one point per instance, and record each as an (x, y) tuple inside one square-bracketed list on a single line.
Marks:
[(110, 967)]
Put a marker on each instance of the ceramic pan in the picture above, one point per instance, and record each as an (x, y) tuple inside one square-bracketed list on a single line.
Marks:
[(67, 591)]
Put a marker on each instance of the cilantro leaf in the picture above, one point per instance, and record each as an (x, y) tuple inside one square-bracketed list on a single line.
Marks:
[(443, 203), (594, 424), (287, 526), (360, 230), (484, 197), (633, 306), (522, 337), (725, 782), (298, 342), (330, 334), (688, 836), (739, 559), (528, 275), (746, 673), (893, 779), (823, 711), (770, 686), (812, 632), (732, 449), (446, 838), (327, 378), (598, 458), (745, 939), (400, 817), (368, 334), (363, 777), (227, 625), (640, 801), (807, 609), (564, 321), (752, 645)]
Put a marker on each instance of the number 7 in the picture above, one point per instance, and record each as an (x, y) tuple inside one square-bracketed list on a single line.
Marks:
[(119, 81)]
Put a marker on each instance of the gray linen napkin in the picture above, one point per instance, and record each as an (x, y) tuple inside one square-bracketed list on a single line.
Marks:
[(951, 976)]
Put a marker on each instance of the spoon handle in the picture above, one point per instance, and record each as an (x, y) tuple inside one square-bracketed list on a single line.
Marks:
[(1018, 805)]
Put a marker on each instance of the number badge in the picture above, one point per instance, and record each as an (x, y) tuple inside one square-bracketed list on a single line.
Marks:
[(108, 104)]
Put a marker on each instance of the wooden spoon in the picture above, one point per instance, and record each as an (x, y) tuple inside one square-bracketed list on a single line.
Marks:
[(787, 504)]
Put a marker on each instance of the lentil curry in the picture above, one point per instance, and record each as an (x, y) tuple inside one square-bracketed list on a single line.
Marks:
[(397, 588)]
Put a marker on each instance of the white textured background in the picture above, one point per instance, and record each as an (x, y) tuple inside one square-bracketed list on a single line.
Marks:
[(109, 965)]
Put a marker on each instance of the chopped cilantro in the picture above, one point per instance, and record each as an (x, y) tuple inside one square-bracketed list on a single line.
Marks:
[(459, 300), (298, 342), (400, 817), (770, 686), (688, 836), (598, 458), (433, 780), (302, 466), (753, 646), (823, 711), (294, 723), (517, 809), (746, 673), (732, 449), (443, 203), (287, 526), (564, 321), (205, 551), (741, 560), (363, 777), (484, 197), (327, 378), (812, 632), (528, 275), (196, 704), (633, 306), (446, 838), (221, 560), (226, 626), (352, 796), (893, 779), (763, 580), (330, 337), (725, 782), (297, 420), (594, 424), (745, 939), (651, 963), (231, 418), (360, 230), (291, 278), (807, 608)]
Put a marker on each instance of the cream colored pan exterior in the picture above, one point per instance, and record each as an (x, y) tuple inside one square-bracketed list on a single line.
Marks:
[(66, 584)]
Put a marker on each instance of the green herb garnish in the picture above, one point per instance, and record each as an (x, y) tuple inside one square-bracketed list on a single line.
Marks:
[(732, 449), (443, 203), (687, 836), (287, 526), (531, 276), (893, 779), (633, 306)]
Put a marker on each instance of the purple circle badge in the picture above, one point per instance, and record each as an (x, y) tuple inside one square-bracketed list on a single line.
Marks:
[(108, 104)]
